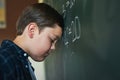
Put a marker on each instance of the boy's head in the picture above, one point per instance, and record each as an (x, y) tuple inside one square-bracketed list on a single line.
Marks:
[(41, 14), (38, 29)]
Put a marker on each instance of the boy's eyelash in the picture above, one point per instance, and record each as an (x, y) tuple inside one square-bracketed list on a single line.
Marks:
[(52, 40)]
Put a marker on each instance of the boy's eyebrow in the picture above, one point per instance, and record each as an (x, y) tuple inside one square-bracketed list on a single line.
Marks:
[(58, 37)]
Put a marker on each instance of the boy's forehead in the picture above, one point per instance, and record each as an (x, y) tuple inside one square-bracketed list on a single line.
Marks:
[(56, 31)]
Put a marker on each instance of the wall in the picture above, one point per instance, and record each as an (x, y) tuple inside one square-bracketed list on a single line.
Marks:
[(13, 9)]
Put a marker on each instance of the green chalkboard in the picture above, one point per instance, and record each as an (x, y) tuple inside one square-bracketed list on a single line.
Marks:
[(90, 47)]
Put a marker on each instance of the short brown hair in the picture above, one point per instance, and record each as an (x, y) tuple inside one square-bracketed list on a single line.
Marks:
[(40, 13)]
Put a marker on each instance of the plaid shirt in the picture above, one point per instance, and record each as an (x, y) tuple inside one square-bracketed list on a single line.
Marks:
[(13, 62)]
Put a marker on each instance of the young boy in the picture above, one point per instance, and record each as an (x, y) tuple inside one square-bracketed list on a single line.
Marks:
[(38, 29)]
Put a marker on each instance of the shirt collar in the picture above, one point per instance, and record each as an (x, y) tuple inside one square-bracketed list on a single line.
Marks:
[(14, 47)]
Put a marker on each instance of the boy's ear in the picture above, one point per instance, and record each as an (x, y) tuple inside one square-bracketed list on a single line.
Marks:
[(31, 28)]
